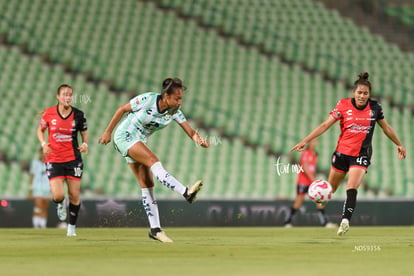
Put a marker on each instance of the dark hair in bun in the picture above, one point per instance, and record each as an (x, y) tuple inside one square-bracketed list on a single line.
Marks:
[(362, 80)]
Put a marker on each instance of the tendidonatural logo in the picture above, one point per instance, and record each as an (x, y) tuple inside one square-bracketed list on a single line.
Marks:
[(286, 168)]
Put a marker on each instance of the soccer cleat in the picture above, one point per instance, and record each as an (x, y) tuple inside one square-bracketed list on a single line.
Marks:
[(61, 210), (159, 235), (343, 227), (71, 232), (191, 193), (288, 225)]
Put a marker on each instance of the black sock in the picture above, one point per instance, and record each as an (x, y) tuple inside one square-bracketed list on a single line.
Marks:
[(154, 231), (73, 213), (322, 217), (349, 204), (289, 218)]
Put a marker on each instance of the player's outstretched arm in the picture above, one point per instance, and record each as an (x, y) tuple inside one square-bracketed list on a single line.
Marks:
[(193, 134), (106, 136), (389, 131), (315, 133)]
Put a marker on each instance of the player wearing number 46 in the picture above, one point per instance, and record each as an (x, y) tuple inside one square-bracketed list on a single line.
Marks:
[(148, 113), (63, 154), (357, 117)]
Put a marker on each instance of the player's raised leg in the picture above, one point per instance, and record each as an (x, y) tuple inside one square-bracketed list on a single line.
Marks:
[(143, 155), (57, 189), (335, 178)]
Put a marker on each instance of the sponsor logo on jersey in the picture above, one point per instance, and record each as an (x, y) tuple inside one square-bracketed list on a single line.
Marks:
[(43, 123), (53, 122), (143, 99), (66, 129), (337, 114), (128, 137), (60, 137), (355, 128)]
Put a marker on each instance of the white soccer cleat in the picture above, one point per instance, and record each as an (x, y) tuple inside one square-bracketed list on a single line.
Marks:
[(61, 210), (71, 232), (343, 227), (191, 193), (288, 225), (159, 235)]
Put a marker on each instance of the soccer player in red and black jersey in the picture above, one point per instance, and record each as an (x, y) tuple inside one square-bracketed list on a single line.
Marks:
[(357, 117), (63, 153), (307, 162)]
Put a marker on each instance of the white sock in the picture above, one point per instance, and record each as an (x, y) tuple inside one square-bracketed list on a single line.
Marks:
[(166, 179), (42, 222), (151, 207), (35, 221)]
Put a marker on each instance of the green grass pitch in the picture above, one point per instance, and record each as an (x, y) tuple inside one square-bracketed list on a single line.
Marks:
[(208, 251)]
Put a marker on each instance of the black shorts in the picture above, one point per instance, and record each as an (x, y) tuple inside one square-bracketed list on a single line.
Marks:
[(302, 189), (72, 170), (342, 162)]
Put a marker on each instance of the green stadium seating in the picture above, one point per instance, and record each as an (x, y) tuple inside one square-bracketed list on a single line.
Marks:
[(235, 89)]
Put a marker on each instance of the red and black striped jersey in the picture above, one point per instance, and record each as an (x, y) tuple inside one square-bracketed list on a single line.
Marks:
[(63, 133), (357, 126)]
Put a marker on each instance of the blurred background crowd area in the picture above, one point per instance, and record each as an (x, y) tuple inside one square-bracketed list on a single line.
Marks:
[(260, 76)]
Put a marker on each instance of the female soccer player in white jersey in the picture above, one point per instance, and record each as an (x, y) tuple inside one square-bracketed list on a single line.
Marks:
[(40, 190), (148, 113)]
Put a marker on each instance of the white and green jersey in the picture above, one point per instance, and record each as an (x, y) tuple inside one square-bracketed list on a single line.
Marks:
[(146, 118), (40, 184)]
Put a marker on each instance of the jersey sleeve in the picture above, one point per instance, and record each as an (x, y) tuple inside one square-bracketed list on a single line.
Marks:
[(139, 102), (179, 117), (83, 125), (337, 112), (380, 115), (44, 121)]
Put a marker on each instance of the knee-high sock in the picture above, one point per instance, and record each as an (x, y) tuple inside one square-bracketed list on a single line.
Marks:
[(151, 207), (349, 204), (42, 222), (73, 213), (35, 221), (291, 214), (167, 179)]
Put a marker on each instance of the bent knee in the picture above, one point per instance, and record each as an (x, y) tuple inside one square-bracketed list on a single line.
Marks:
[(58, 199)]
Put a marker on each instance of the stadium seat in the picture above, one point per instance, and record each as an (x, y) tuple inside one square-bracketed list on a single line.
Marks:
[(234, 88)]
